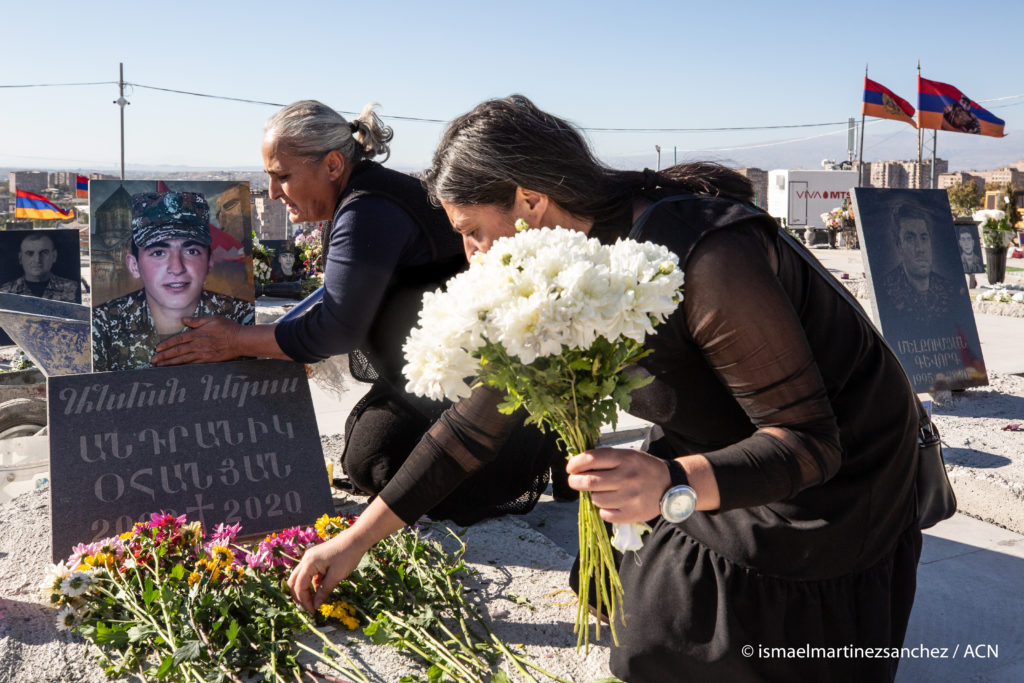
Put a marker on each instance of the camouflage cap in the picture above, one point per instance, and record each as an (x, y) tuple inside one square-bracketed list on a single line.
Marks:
[(160, 216)]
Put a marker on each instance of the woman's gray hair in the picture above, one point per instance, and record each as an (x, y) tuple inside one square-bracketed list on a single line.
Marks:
[(311, 129)]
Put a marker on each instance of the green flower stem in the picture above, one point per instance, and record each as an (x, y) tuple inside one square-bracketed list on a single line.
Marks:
[(140, 613), (206, 641), (426, 641), (329, 644)]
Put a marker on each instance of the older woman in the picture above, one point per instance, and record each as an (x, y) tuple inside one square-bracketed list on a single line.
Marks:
[(387, 245), (783, 425)]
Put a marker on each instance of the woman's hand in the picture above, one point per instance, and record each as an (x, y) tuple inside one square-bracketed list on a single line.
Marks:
[(324, 565), (208, 341), (625, 483), (321, 569)]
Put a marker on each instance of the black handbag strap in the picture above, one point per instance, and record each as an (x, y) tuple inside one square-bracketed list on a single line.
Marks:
[(927, 430)]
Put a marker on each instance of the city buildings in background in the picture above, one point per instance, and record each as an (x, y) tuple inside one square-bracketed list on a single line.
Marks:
[(270, 220)]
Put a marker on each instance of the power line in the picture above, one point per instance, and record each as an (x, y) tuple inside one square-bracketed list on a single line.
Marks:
[(443, 121), (57, 85)]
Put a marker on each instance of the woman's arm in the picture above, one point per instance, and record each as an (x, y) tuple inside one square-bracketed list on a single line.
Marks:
[(368, 241), (371, 238), (465, 437), (322, 567), (627, 483)]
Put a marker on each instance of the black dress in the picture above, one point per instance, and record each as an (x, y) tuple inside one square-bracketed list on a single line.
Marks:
[(815, 543)]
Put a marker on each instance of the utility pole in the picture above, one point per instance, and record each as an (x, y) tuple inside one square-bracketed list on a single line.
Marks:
[(121, 102)]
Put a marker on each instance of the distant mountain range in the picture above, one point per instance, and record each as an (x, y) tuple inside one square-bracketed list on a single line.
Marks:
[(964, 153)]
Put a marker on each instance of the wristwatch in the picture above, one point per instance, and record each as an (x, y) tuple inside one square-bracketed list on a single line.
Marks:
[(679, 500)]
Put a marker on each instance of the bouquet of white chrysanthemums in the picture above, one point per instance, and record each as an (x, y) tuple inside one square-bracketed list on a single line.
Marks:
[(551, 318)]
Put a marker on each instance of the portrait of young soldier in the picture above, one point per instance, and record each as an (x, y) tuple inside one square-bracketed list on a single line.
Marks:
[(170, 256), (37, 255)]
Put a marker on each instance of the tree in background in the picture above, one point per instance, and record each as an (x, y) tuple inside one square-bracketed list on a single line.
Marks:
[(964, 198)]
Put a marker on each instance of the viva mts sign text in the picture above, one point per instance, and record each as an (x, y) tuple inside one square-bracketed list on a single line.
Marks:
[(822, 194)]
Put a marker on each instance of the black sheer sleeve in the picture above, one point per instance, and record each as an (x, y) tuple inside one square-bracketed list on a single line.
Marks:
[(467, 436), (745, 325)]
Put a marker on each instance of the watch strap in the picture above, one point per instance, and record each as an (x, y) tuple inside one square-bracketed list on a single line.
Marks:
[(676, 473)]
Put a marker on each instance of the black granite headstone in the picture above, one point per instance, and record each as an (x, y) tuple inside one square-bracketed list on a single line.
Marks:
[(916, 280), (222, 442)]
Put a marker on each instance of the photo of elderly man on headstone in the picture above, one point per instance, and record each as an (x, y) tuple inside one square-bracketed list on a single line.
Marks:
[(170, 256), (47, 266), (913, 261)]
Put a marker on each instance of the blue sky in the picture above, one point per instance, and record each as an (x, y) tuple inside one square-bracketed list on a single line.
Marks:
[(600, 64)]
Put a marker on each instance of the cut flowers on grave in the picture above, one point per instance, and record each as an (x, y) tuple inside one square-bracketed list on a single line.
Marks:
[(552, 319), (167, 601), (996, 232), (261, 260)]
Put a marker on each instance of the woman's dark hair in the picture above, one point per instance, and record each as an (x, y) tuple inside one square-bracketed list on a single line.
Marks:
[(503, 144)]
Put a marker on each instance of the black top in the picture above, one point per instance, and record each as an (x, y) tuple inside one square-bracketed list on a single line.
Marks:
[(759, 341), (385, 237)]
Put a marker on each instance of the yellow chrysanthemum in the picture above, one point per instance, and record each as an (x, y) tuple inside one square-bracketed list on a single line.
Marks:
[(341, 611), (327, 527), (212, 567), (222, 555), (194, 578)]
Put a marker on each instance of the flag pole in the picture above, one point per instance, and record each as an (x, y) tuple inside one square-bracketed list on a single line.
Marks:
[(121, 102), (860, 162), (919, 124)]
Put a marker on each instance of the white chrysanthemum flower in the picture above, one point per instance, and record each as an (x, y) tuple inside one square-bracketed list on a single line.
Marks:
[(535, 294), (435, 369), (67, 618), (75, 583), (55, 575), (628, 536)]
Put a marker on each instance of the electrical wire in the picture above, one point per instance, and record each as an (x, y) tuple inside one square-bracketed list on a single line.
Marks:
[(56, 85), (442, 121)]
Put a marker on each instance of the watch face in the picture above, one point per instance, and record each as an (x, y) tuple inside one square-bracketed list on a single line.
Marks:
[(679, 503)]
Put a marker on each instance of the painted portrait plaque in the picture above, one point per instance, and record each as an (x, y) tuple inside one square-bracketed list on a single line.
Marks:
[(162, 251), (915, 275)]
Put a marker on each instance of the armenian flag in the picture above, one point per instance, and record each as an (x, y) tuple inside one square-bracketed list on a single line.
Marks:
[(32, 205), (81, 186), (943, 107), (883, 103)]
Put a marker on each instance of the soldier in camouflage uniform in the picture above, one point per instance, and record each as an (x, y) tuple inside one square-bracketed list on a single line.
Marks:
[(170, 253), (37, 254)]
